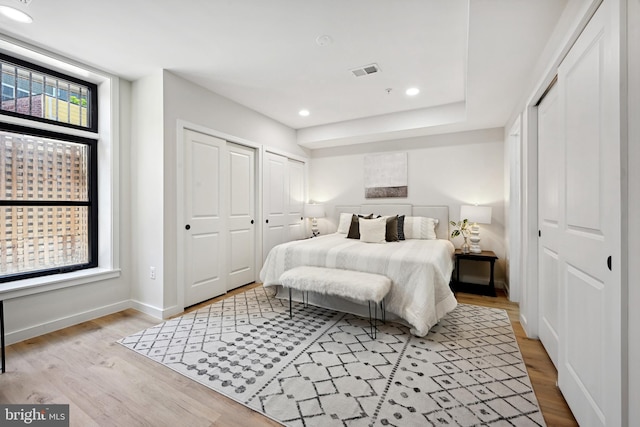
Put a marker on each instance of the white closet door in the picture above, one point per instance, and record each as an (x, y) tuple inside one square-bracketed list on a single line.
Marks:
[(550, 162), (589, 371), (241, 236), (204, 276), (295, 224), (275, 200)]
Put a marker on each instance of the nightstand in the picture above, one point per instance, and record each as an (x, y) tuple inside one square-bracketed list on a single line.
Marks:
[(474, 288)]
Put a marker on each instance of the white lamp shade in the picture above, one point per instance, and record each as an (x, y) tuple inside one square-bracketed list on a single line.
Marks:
[(479, 214), (314, 210)]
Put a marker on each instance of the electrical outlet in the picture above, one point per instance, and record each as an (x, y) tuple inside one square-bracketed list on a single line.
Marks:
[(152, 273)]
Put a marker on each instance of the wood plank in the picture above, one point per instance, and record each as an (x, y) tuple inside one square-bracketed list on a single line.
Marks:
[(108, 384)]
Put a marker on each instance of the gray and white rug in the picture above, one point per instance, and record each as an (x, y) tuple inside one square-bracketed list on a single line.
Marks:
[(322, 369)]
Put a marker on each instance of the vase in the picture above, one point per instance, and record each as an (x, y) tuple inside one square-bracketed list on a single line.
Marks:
[(465, 248)]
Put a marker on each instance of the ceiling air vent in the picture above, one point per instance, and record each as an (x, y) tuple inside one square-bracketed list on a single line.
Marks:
[(365, 70)]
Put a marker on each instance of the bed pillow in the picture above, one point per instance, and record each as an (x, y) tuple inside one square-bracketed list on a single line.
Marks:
[(391, 233), (419, 227), (400, 227), (373, 230), (354, 228), (345, 223)]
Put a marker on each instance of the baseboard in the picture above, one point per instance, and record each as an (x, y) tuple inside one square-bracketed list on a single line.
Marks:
[(65, 322), (159, 313)]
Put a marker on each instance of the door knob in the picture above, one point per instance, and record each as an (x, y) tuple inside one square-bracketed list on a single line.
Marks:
[(267, 221), (187, 227), (251, 221)]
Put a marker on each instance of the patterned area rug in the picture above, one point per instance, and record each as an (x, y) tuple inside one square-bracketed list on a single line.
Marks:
[(322, 369)]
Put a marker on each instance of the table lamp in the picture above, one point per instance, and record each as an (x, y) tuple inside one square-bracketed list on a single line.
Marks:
[(314, 211), (476, 215)]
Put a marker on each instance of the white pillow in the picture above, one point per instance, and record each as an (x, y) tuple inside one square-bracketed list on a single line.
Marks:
[(419, 227), (373, 230), (345, 223)]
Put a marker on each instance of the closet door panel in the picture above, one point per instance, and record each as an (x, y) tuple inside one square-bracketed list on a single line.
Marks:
[(296, 199), (275, 201), (550, 179), (241, 236)]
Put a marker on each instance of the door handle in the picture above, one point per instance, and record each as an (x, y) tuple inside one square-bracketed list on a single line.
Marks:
[(609, 262), (187, 227), (267, 221), (251, 221)]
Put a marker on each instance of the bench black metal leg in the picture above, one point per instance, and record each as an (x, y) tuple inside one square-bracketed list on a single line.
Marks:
[(290, 312), (2, 335), (373, 320)]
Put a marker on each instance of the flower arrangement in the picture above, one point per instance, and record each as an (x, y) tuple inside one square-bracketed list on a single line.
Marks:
[(461, 228)]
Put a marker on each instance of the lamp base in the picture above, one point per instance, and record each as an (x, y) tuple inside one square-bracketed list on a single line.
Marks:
[(314, 228)]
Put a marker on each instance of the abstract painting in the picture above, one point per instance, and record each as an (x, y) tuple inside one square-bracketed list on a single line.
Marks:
[(385, 175)]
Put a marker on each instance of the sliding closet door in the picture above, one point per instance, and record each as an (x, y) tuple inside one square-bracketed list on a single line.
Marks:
[(550, 161), (275, 199), (589, 368), (220, 232), (296, 196), (241, 228), (204, 194), (283, 201)]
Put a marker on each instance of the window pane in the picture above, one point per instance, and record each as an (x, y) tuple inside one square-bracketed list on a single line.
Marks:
[(50, 104), (38, 238), (8, 87), (34, 93), (42, 169)]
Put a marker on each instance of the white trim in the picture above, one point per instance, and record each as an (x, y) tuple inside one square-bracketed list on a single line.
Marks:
[(157, 312), (64, 322), (514, 227), (529, 301), (286, 154), (41, 284)]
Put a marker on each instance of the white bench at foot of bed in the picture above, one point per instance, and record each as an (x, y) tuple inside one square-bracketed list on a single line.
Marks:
[(353, 285)]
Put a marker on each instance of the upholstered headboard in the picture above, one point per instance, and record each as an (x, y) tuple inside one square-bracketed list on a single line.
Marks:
[(441, 213)]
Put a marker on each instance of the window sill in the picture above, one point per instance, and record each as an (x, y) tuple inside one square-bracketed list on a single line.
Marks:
[(38, 285)]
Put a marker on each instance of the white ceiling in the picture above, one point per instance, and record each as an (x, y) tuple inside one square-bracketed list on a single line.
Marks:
[(468, 57)]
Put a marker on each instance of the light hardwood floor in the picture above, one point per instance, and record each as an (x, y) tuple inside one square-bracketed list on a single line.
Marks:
[(106, 384)]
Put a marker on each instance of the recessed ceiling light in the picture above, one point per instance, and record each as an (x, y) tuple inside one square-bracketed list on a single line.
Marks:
[(15, 14), (304, 113), (412, 91)]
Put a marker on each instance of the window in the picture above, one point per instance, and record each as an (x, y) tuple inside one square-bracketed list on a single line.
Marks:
[(48, 191), (39, 94)]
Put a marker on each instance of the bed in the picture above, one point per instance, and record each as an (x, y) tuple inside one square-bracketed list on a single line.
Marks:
[(420, 269)]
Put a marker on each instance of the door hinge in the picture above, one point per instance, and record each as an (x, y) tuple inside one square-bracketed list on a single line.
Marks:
[(609, 262)]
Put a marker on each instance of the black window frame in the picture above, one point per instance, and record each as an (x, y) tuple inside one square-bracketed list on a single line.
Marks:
[(92, 95), (91, 203)]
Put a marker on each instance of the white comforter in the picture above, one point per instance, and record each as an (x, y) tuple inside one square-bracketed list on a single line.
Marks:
[(420, 271)]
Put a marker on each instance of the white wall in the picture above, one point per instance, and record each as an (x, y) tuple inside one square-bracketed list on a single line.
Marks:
[(147, 156), (191, 103), (451, 170)]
